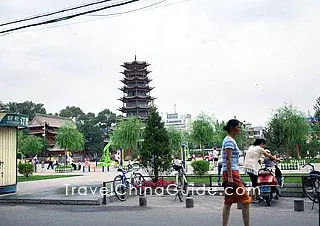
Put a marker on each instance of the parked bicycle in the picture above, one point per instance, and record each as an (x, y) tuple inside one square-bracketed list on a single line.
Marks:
[(181, 182), (128, 179), (311, 184)]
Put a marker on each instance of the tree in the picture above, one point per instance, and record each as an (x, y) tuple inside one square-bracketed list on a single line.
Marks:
[(26, 108), (202, 131), (91, 116), (72, 112), (286, 131), (126, 134), (156, 151), (316, 108), (3, 107), (93, 136), (218, 134), (314, 136), (69, 138), (29, 145), (175, 140), (106, 118)]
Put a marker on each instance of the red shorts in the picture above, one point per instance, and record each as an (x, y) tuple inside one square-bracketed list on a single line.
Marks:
[(237, 195)]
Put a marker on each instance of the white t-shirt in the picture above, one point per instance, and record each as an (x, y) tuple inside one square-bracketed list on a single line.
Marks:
[(215, 154), (177, 162), (253, 154)]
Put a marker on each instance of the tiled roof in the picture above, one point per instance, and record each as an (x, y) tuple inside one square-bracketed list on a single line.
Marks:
[(53, 121)]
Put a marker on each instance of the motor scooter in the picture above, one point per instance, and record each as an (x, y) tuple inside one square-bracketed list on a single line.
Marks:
[(268, 185)]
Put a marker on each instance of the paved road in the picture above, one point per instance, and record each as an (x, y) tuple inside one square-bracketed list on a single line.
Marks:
[(160, 211)]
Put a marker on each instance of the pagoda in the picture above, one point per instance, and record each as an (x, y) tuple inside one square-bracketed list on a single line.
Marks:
[(136, 89)]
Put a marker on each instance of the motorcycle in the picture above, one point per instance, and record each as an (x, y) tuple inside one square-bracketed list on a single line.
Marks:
[(268, 185)]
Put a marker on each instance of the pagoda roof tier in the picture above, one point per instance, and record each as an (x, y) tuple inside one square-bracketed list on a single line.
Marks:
[(125, 72), (147, 97), (136, 87), (130, 79), (135, 63), (126, 109), (140, 78)]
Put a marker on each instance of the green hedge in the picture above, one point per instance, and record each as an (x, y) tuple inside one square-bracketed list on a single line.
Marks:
[(200, 167), (26, 169)]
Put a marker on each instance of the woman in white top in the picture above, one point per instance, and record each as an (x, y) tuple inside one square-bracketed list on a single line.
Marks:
[(251, 164)]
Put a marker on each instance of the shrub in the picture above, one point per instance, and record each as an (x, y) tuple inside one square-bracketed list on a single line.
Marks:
[(200, 167), (26, 169)]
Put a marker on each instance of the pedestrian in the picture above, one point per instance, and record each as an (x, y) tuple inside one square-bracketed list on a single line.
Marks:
[(215, 157), (177, 164), (234, 189), (269, 162), (252, 162), (35, 162), (219, 168), (50, 161), (279, 178)]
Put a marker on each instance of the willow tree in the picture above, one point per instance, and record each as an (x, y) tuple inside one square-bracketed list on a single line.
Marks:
[(313, 143), (316, 108), (287, 131), (69, 138), (126, 135)]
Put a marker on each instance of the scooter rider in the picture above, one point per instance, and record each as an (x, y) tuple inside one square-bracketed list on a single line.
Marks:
[(251, 164), (270, 164)]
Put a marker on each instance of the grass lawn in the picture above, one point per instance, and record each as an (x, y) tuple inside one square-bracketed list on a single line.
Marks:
[(293, 178), (42, 177)]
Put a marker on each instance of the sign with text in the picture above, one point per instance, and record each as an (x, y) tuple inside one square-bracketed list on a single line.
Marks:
[(13, 119)]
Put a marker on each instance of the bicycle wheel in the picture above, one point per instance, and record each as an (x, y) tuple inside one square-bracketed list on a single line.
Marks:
[(309, 189), (120, 188), (181, 188), (137, 180)]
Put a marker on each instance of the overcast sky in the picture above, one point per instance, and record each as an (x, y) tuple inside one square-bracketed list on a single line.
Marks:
[(227, 58)]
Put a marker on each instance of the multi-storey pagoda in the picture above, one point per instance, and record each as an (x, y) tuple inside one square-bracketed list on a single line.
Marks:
[(136, 89)]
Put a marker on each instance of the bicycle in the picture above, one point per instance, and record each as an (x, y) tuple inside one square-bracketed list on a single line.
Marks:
[(123, 184), (181, 182), (311, 184)]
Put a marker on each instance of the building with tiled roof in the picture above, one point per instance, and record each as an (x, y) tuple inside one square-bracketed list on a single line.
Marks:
[(47, 126)]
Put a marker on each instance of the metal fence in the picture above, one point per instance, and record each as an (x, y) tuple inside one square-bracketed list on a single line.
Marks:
[(210, 182)]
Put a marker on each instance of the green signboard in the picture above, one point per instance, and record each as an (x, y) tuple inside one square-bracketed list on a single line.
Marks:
[(12, 119)]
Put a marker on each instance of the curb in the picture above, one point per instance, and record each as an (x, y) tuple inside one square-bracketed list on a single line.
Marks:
[(110, 199), (50, 201)]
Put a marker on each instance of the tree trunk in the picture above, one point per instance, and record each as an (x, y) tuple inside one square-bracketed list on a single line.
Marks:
[(155, 169), (202, 149), (297, 152), (65, 151)]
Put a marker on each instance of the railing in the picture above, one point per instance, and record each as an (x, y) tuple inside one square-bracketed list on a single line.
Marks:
[(211, 182), (213, 178)]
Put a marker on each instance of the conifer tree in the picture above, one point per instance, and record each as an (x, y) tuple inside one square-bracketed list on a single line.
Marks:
[(156, 151)]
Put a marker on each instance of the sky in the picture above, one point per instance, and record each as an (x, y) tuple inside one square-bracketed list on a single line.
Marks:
[(224, 58)]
